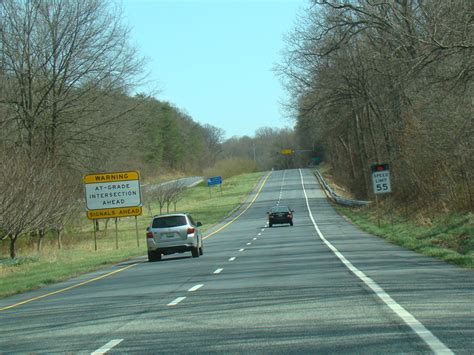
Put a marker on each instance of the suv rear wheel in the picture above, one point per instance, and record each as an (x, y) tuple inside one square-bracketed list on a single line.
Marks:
[(154, 256), (195, 252)]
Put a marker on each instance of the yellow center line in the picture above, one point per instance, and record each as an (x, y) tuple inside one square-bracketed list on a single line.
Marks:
[(241, 213), (66, 289), (130, 266)]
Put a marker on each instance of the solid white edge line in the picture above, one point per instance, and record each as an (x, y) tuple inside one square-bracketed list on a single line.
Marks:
[(176, 301), (218, 271), (195, 288), (429, 338), (107, 347)]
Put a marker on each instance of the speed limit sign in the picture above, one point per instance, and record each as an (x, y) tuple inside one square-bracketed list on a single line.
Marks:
[(381, 178)]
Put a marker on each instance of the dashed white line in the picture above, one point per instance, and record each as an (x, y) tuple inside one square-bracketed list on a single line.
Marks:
[(259, 234), (429, 338), (232, 259), (176, 301), (107, 347), (195, 288), (241, 249), (254, 238), (249, 243), (218, 271), (263, 229)]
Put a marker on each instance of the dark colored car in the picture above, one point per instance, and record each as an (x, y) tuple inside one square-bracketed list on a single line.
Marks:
[(280, 215)]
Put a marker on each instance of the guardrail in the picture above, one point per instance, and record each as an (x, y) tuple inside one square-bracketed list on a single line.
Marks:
[(335, 197)]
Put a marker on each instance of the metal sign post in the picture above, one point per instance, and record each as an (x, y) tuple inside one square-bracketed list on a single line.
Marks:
[(95, 235), (116, 233), (136, 230)]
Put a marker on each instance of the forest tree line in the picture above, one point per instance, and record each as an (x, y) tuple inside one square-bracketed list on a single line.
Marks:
[(391, 82)]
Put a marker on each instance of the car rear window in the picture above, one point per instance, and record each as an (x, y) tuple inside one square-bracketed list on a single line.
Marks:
[(169, 222), (280, 209)]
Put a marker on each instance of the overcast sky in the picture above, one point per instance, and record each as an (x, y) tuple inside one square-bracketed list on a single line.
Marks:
[(214, 58)]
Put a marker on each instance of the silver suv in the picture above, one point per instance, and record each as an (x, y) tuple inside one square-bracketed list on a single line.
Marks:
[(173, 233)]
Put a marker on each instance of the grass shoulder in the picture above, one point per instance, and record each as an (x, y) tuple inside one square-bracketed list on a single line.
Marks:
[(446, 236)]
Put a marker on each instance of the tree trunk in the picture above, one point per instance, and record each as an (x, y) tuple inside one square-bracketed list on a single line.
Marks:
[(58, 231), (41, 234), (13, 246)]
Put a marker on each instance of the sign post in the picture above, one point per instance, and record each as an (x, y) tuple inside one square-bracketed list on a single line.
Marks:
[(136, 229), (380, 183)]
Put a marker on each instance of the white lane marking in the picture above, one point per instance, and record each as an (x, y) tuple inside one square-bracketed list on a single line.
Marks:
[(263, 229), (176, 301), (249, 243), (232, 259), (242, 249), (259, 234), (107, 347), (195, 288), (218, 271), (254, 238), (429, 338)]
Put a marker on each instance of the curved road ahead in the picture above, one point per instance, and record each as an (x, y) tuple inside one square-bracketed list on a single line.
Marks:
[(321, 286)]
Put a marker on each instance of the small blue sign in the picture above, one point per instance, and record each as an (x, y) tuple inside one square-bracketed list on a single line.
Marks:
[(215, 180)]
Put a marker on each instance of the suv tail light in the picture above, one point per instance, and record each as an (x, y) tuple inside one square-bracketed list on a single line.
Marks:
[(149, 235), (191, 230)]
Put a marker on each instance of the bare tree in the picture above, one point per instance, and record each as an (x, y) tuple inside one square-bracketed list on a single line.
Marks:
[(32, 197), (165, 194), (60, 60)]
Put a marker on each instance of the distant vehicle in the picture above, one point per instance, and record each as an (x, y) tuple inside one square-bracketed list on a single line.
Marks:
[(280, 215), (173, 233)]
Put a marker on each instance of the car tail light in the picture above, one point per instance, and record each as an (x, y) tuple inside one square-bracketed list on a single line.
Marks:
[(290, 215), (149, 235), (191, 230)]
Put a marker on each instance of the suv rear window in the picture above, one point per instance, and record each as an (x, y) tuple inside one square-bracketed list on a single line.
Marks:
[(169, 222)]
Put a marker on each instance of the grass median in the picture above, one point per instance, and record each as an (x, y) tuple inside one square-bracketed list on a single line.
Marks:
[(115, 243)]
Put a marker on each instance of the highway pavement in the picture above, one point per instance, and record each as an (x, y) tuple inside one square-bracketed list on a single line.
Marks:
[(321, 286)]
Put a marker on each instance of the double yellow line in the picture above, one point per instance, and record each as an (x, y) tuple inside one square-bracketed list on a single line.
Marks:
[(132, 265)]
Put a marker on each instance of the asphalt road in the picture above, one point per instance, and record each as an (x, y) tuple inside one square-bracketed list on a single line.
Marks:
[(321, 286)]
